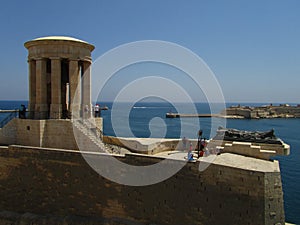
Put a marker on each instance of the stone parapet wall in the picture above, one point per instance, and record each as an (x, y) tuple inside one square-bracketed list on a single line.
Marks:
[(46, 133), (41, 133), (149, 146), (8, 134), (255, 150), (273, 197), (246, 113), (61, 183)]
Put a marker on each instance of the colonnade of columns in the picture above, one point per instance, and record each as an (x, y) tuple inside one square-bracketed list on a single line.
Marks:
[(53, 92)]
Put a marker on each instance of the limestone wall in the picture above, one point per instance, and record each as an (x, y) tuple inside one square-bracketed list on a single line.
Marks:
[(149, 146), (232, 190), (46, 133), (41, 133), (256, 150), (246, 113), (8, 134)]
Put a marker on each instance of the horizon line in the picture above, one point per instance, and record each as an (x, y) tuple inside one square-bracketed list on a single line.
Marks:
[(226, 102)]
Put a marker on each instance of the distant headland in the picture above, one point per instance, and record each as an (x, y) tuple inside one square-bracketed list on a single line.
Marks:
[(262, 112), (250, 112)]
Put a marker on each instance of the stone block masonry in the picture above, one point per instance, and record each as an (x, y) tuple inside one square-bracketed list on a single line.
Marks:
[(232, 190), (59, 77), (41, 133)]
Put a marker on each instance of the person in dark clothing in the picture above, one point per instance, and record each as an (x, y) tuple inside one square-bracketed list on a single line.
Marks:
[(22, 112), (202, 146)]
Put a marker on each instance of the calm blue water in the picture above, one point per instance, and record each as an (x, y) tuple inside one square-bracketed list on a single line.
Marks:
[(148, 120)]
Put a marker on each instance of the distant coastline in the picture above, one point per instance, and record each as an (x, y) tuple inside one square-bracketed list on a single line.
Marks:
[(263, 112)]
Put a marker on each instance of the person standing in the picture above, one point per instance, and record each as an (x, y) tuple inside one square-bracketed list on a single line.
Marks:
[(202, 147), (22, 112), (86, 114), (97, 110), (190, 155)]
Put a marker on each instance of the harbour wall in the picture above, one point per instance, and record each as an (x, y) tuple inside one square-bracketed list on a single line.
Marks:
[(60, 184)]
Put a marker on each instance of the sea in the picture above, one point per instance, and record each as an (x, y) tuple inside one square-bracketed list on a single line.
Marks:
[(148, 119)]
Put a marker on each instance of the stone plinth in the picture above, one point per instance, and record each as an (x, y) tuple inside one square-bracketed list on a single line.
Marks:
[(42, 133)]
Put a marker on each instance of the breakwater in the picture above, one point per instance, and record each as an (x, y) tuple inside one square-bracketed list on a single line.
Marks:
[(8, 110), (178, 115)]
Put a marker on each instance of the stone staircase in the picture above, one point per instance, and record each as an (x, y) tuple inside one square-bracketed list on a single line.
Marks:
[(88, 137)]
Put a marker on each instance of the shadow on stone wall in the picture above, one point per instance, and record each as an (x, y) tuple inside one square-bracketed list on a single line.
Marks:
[(61, 184)]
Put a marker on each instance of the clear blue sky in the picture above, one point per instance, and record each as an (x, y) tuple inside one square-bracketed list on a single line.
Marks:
[(253, 47)]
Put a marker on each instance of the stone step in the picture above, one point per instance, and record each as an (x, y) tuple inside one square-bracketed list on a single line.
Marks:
[(91, 136)]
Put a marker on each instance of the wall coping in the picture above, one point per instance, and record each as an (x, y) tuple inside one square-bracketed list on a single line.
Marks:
[(225, 159)]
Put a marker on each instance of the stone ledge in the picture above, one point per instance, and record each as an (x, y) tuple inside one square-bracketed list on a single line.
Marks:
[(248, 163), (225, 159)]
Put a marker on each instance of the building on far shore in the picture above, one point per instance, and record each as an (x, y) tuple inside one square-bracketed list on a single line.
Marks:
[(266, 111)]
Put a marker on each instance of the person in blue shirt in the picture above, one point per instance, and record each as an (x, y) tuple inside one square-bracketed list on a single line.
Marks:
[(190, 153)]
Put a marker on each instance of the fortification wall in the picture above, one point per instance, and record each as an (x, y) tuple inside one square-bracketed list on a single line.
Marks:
[(246, 113), (8, 134), (41, 133), (263, 112), (232, 190), (149, 146)]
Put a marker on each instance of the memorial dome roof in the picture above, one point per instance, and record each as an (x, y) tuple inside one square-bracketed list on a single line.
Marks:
[(58, 39)]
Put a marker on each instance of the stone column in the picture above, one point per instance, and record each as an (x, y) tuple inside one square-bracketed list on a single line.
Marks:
[(56, 107), (41, 106), (75, 88), (86, 88), (32, 88)]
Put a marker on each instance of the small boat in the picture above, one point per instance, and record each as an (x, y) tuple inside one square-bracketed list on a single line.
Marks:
[(104, 108)]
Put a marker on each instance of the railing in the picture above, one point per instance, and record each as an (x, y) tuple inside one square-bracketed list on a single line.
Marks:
[(47, 115), (43, 116), (8, 118), (65, 114)]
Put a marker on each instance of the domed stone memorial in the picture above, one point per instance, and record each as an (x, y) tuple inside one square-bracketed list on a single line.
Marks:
[(56, 68)]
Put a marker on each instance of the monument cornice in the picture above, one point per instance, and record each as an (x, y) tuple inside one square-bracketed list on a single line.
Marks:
[(58, 40), (55, 58)]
